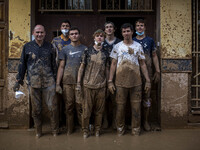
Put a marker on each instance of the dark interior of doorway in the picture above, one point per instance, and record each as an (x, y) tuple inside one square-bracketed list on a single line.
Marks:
[(119, 21)]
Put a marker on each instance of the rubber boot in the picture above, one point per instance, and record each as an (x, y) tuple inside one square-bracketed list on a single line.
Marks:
[(146, 125)]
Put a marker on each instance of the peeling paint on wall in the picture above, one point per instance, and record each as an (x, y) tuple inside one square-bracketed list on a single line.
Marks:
[(176, 28), (174, 94), (19, 26)]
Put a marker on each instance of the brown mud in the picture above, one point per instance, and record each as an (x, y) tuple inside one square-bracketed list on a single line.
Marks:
[(179, 139), (128, 75)]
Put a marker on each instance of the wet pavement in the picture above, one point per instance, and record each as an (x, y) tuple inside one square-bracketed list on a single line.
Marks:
[(177, 139)]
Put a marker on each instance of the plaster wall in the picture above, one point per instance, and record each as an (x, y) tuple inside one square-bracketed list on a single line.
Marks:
[(176, 28), (174, 100), (176, 48), (19, 26), (19, 34)]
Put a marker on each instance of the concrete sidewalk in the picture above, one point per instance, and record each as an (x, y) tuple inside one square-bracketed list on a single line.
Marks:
[(177, 139)]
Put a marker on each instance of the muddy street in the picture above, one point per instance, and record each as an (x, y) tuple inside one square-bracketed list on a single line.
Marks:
[(179, 139)]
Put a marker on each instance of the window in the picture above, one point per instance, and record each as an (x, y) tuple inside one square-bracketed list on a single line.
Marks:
[(125, 5), (65, 5)]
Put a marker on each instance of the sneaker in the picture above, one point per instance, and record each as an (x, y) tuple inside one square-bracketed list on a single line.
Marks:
[(135, 131), (85, 135), (38, 135), (55, 134), (146, 126), (97, 133), (120, 131)]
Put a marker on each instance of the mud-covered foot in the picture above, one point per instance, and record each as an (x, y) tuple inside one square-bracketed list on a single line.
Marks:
[(146, 126), (135, 131), (97, 133), (38, 135), (85, 135), (120, 131), (55, 134), (69, 132)]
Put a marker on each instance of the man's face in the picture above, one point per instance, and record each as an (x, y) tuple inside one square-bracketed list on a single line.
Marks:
[(109, 29), (127, 33), (99, 38), (65, 26), (74, 35), (39, 33), (140, 27)]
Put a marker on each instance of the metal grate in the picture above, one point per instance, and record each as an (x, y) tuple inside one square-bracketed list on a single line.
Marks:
[(65, 5), (195, 99), (125, 5)]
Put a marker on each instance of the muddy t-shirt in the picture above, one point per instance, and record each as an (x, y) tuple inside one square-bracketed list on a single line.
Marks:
[(95, 68), (72, 56), (128, 69), (149, 47)]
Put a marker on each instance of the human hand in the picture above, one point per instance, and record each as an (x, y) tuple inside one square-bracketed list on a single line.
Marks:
[(16, 87), (156, 77), (147, 87), (78, 87), (111, 87), (58, 89)]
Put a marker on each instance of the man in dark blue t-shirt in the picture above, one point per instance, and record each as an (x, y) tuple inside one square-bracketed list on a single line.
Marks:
[(150, 49)]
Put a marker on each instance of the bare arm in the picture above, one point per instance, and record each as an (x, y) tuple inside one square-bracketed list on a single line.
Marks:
[(156, 62), (112, 69), (60, 72), (144, 70), (80, 73)]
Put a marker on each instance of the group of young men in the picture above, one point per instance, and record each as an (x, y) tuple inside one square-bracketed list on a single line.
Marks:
[(88, 77)]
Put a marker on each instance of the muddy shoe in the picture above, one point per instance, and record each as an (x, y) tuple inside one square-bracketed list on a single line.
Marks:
[(146, 126), (38, 135), (55, 134), (69, 132), (135, 131), (97, 133), (120, 131), (85, 135)]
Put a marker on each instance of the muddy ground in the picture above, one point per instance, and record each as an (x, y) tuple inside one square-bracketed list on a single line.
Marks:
[(179, 139)]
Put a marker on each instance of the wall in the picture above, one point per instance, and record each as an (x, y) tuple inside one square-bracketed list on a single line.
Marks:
[(176, 64), (19, 34)]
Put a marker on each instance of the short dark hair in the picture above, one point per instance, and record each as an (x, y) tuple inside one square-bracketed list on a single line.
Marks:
[(127, 25), (109, 22), (140, 21), (74, 28), (66, 21)]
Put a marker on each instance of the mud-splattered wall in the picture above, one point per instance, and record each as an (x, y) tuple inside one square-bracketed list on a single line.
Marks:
[(176, 29), (19, 34), (19, 26), (176, 64)]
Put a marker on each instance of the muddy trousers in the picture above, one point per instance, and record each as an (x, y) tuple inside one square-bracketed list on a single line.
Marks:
[(146, 104), (94, 100), (38, 95), (135, 100), (71, 102)]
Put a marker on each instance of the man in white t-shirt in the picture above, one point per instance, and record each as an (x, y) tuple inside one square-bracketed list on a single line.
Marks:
[(128, 58)]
